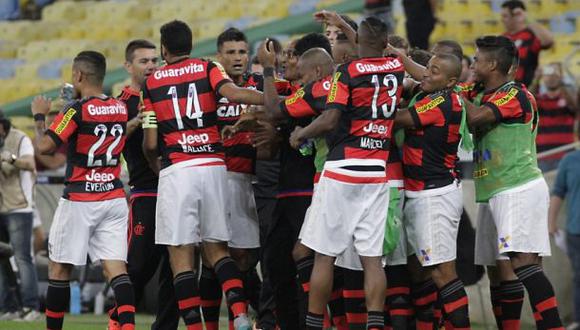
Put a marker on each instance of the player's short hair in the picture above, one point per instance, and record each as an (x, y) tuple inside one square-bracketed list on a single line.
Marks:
[(453, 45), (231, 34), (176, 38), (420, 56), (514, 4), (398, 42), (378, 28), (454, 62), (133, 45), (312, 40), (93, 64), (5, 122), (349, 21), (467, 59), (501, 49)]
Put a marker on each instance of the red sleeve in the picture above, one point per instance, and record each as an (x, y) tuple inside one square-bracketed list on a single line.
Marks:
[(217, 75), (283, 87), (536, 45), (146, 99), (339, 93), (65, 124), (297, 105), (505, 104), (427, 112)]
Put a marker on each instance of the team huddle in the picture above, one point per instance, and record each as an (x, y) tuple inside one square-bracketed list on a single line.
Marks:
[(369, 200)]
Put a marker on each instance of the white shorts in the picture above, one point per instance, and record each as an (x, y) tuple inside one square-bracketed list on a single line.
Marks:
[(432, 223), (344, 214), (515, 220), (350, 260), (98, 229), (242, 212), (191, 203)]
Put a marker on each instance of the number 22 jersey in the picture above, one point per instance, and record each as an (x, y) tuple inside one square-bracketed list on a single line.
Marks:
[(367, 92), (94, 129)]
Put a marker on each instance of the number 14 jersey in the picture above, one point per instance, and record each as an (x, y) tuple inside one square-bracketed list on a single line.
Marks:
[(94, 129), (367, 92), (181, 99)]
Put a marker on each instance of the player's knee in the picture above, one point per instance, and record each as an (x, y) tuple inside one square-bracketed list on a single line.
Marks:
[(443, 273), (113, 268), (57, 271), (523, 259), (246, 259)]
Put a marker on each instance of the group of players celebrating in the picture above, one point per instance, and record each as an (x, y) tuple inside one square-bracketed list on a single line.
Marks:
[(366, 218)]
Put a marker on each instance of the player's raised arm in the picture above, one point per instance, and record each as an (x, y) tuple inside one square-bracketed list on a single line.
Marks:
[(241, 95), (40, 107), (267, 57)]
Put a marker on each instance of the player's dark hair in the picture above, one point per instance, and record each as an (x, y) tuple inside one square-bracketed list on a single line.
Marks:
[(231, 34), (5, 122), (349, 21), (420, 56), (377, 27), (453, 45), (133, 45), (312, 40), (92, 64), (176, 38), (513, 4), (500, 49), (468, 59)]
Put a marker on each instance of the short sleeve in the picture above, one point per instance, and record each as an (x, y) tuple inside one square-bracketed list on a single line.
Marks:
[(536, 45), (427, 112), (559, 189), (297, 105), (217, 75), (505, 104), (146, 98), (339, 93), (65, 124), (26, 147)]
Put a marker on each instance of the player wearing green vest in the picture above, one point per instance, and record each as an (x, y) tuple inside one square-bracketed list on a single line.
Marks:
[(507, 178)]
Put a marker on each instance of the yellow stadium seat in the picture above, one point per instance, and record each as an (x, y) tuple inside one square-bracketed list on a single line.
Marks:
[(114, 12), (9, 49), (65, 11), (39, 50), (17, 30)]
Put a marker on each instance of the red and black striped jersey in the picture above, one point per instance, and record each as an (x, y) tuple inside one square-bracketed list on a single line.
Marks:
[(183, 97), (529, 47), (94, 129), (141, 177), (430, 148), (395, 175), (556, 127), (240, 154), (308, 101), (367, 92), (511, 103)]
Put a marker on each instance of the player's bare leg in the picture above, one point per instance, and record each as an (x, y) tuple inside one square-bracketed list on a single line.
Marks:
[(375, 288), (320, 289), (57, 294), (528, 269), (216, 253), (116, 273)]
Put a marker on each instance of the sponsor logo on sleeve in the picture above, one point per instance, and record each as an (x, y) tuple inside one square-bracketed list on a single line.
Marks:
[(297, 96), (334, 87), (506, 98), (431, 105), (68, 115)]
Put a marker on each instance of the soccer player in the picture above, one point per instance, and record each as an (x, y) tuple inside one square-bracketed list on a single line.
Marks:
[(92, 214), (434, 199), (180, 123), (144, 256), (513, 221), (529, 38), (335, 25), (355, 171)]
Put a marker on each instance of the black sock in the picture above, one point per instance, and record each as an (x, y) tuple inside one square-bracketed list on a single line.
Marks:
[(57, 300), (210, 292), (336, 303), (314, 321), (541, 294), (424, 297), (455, 304), (231, 281), (188, 301), (375, 320), (354, 299), (125, 298), (511, 299), (398, 300), (252, 288), (495, 298)]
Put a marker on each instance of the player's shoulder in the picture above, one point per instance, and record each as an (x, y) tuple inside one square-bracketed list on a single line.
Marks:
[(434, 100), (128, 93), (320, 87)]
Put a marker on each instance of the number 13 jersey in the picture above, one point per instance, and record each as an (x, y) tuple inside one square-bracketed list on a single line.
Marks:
[(94, 129), (180, 99), (367, 92)]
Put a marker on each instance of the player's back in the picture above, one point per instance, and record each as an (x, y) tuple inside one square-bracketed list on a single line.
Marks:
[(182, 96), (95, 130), (368, 92)]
